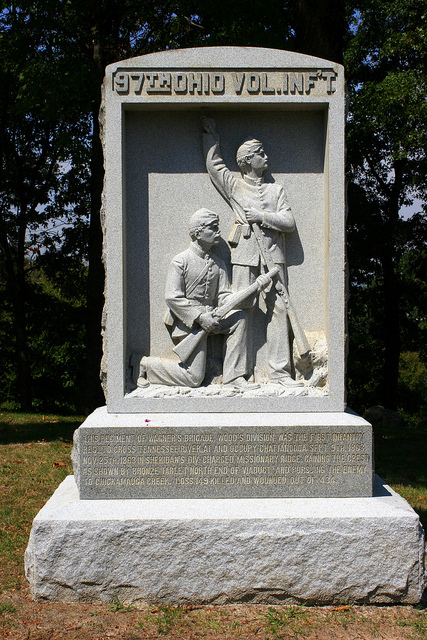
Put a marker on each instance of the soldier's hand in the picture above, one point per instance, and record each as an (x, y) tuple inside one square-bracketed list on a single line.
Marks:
[(252, 215), (208, 322), (209, 125), (263, 281)]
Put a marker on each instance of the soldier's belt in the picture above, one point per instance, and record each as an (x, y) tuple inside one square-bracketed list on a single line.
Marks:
[(202, 305)]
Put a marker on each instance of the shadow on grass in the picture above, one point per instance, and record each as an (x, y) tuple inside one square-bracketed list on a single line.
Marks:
[(401, 461), (21, 428)]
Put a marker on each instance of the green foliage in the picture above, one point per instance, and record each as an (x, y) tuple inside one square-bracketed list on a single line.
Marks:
[(279, 619), (43, 190), (413, 387), (7, 607), (165, 618), (367, 311), (250, 24), (413, 268), (52, 65), (116, 605), (55, 330), (386, 58)]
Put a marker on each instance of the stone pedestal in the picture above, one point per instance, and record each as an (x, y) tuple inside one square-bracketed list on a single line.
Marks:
[(299, 519), (313, 550)]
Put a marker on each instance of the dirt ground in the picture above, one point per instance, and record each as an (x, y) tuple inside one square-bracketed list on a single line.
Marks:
[(23, 619)]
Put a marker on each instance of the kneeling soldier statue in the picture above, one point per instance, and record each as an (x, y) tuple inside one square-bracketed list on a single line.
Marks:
[(200, 302)]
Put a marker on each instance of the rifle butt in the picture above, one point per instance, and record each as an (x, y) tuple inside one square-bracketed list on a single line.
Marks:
[(186, 347)]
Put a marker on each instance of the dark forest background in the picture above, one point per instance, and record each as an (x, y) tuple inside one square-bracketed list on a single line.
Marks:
[(52, 59)]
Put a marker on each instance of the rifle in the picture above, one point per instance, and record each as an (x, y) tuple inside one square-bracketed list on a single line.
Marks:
[(266, 259), (185, 348)]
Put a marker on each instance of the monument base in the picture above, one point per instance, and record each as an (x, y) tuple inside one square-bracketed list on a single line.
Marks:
[(175, 551)]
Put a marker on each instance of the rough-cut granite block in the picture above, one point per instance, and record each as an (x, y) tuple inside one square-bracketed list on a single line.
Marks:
[(318, 551)]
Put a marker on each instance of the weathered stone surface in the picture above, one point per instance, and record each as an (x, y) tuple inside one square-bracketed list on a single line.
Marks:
[(364, 550), (156, 177), (120, 456)]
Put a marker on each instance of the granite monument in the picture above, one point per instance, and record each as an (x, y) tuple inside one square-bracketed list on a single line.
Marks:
[(225, 466)]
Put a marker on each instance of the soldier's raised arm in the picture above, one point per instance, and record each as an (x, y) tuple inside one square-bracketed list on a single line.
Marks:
[(209, 129), (222, 178)]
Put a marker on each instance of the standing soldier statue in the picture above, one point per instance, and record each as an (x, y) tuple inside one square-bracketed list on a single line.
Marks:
[(262, 217)]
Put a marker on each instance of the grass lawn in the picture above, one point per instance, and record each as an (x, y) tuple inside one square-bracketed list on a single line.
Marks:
[(35, 458), (401, 460)]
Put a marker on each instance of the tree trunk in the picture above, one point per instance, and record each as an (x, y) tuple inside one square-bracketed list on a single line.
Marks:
[(391, 331), (320, 28), (23, 364), (391, 292), (16, 287)]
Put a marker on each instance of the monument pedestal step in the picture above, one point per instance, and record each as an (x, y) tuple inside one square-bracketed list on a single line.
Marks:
[(274, 550)]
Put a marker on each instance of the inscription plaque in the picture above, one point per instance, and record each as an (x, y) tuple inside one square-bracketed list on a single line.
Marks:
[(148, 82), (221, 462)]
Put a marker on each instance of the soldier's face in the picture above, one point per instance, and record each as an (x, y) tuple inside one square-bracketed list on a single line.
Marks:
[(259, 160), (209, 234)]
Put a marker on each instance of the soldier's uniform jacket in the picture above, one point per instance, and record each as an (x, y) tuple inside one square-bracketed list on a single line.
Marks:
[(197, 282), (246, 193)]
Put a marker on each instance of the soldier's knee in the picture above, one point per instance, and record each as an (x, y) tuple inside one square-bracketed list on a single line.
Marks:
[(195, 378)]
